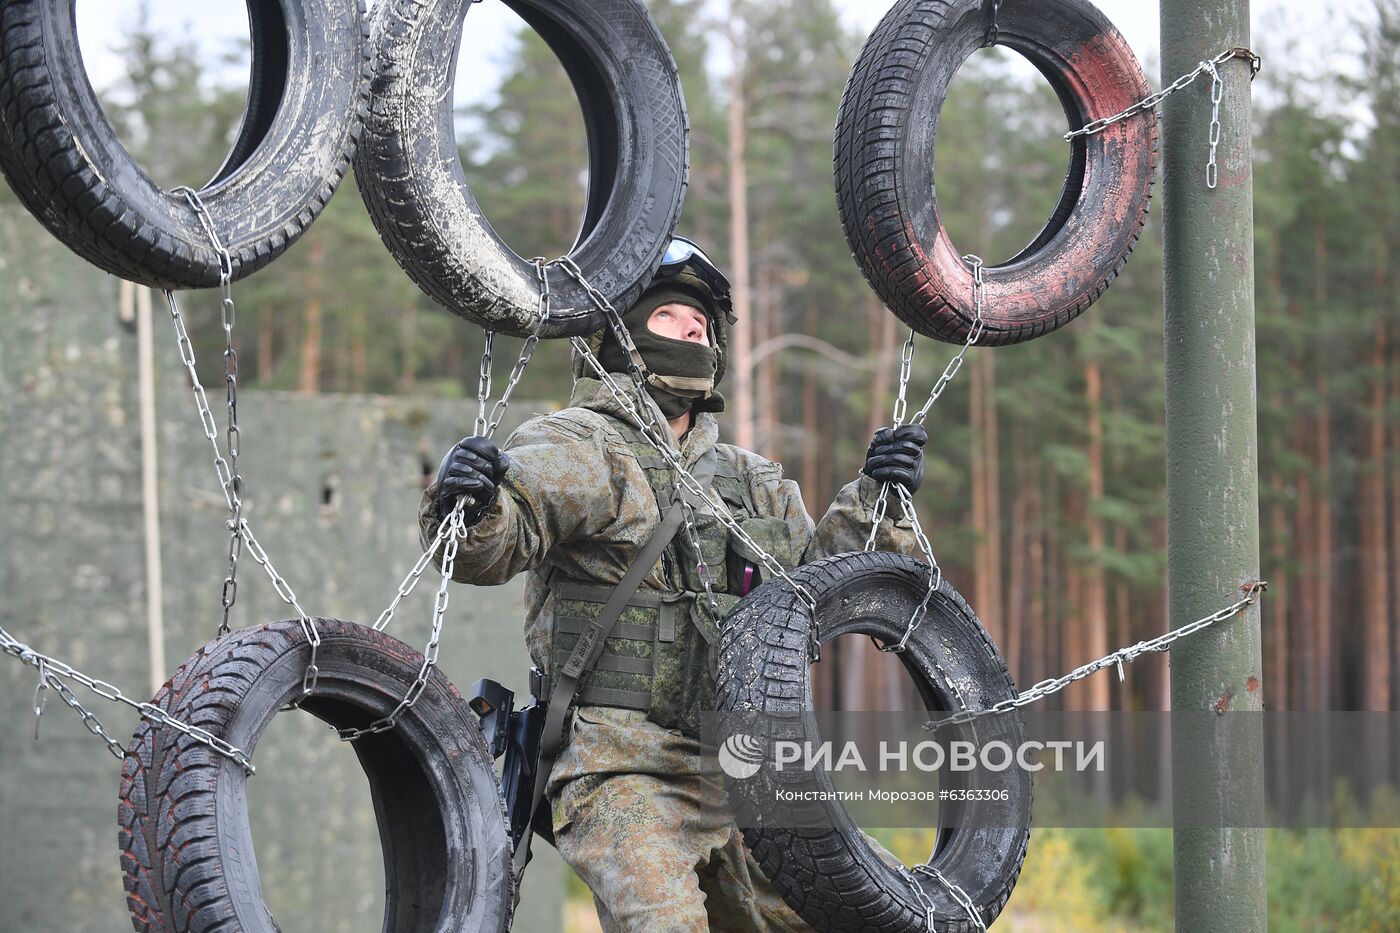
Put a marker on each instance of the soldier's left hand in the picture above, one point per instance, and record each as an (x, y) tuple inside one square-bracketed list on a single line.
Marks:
[(896, 455)]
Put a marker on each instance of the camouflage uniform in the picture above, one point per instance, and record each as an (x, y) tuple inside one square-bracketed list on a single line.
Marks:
[(639, 809)]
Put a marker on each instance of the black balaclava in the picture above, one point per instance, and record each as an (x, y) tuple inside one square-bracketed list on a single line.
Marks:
[(681, 375)]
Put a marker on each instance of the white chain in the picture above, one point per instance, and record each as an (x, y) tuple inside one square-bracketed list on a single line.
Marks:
[(51, 669), (1217, 88), (958, 894), (231, 484), (1117, 659), (228, 314), (974, 333), (453, 528)]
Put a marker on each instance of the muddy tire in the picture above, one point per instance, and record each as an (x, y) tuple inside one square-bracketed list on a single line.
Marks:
[(885, 136), (411, 177), (307, 95), (830, 875), (187, 849)]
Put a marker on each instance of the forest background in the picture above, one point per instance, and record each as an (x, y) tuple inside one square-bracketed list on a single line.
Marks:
[(1045, 490)]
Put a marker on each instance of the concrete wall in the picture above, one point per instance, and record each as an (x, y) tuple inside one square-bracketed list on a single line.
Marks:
[(332, 487)]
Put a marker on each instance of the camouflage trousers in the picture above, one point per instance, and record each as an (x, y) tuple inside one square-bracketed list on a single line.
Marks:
[(640, 813)]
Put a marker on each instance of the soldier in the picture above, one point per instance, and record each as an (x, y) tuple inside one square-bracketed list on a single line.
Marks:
[(637, 800)]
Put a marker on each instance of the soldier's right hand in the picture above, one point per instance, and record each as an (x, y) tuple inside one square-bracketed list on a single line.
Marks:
[(472, 468)]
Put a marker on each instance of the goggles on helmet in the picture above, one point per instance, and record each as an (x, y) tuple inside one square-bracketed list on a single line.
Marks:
[(681, 253)]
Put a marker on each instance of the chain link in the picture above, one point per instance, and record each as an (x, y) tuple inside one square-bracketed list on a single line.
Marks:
[(974, 333), (993, 32), (483, 385), (1217, 90), (226, 469), (958, 894), (455, 530), (1117, 659), (228, 315), (51, 670), (452, 529)]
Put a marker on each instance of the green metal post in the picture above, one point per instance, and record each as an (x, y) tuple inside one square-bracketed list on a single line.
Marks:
[(1212, 471)]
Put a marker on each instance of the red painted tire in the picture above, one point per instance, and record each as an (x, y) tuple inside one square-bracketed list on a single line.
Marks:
[(885, 144)]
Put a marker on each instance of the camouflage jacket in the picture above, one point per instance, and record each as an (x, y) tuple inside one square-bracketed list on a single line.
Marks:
[(576, 501)]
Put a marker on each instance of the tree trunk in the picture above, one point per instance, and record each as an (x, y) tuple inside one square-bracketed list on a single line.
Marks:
[(741, 336), (1035, 662), (408, 333), (765, 371), (1122, 622), (986, 553), (1014, 607), (1095, 593), (1375, 592), (265, 335), (359, 353), (811, 449), (1072, 638), (1393, 477), (1276, 677), (1324, 636), (1053, 595), (991, 464), (310, 379), (882, 340)]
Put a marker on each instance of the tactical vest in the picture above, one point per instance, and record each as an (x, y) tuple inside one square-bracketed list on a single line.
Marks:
[(658, 657)]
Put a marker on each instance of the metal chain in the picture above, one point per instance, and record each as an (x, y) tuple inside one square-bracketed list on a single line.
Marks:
[(411, 581), (456, 529), (229, 481), (702, 568), (906, 365), (453, 527), (906, 500), (1117, 659), (957, 893), (1217, 89), (51, 669), (993, 32), (652, 431), (483, 385), (974, 333), (228, 314)]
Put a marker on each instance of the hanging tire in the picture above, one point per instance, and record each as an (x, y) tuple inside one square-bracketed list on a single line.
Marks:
[(306, 99), (187, 848), (411, 177), (830, 875), (885, 135)]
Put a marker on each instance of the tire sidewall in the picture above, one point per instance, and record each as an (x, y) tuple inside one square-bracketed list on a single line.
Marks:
[(921, 275), (268, 201), (412, 179), (950, 647), (372, 672)]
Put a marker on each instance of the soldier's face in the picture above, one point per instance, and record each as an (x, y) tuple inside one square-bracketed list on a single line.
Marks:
[(680, 322)]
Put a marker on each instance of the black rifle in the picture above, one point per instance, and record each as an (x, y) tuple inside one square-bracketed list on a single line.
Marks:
[(516, 735)]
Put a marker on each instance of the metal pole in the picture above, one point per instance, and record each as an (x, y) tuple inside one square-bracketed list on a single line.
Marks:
[(1212, 473)]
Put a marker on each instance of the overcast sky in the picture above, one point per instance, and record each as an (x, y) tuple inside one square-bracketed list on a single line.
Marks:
[(1318, 29)]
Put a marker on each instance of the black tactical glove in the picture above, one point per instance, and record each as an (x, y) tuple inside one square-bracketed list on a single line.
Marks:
[(896, 455), (473, 468)]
